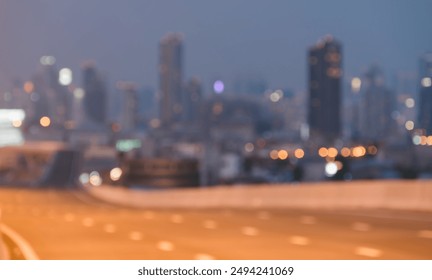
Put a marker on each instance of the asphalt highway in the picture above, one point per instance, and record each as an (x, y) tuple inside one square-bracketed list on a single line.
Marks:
[(69, 224)]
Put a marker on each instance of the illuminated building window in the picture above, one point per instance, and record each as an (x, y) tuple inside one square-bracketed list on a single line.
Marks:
[(334, 72)]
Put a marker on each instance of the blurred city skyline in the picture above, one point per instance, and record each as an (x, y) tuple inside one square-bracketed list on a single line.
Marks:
[(225, 40)]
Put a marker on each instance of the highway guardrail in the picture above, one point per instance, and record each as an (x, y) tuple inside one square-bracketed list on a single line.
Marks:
[(385, 194)]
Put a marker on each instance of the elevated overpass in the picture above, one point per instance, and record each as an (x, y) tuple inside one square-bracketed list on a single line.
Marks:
[(45, 163)]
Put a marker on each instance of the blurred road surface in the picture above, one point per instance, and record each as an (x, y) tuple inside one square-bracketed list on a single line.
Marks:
[(69, 224)]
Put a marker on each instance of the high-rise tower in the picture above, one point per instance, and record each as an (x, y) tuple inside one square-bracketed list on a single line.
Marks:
[(129, 114), (192, 100), (95, 98), (325, 72), (425, 97), (170, 78), (377, 104)]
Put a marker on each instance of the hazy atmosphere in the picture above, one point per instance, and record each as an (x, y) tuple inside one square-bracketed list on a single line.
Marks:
[(231, 129)]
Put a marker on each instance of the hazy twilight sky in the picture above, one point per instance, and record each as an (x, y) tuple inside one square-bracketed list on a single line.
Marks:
[(223, 39)]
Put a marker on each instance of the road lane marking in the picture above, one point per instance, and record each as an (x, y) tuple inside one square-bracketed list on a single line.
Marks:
[(135, 236), (8, 209), (19, 198), (24, 246), (165, 246), (149, 215), (425, 234), (35, 212), (203, 257), (110, 228), (299, 240), (69, 217), (308, 220), (88, 222), (368, 252), (209, 224), (263, 215), (250, 231), (360, 227), (177, 219), (51, 214)]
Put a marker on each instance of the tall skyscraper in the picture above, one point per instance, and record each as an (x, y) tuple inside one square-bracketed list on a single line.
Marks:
[(425, 93), (48, 96), (325, 72), (95, 98), (129, 115), (192, 100), (170, 78), (376, 106)]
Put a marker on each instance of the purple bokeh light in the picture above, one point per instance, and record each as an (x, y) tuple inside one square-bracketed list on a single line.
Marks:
[(218, 87)]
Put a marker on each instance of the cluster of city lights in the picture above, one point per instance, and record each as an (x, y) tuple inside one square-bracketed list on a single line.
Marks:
[(95, 179), (285, 154), (356, 152), (329, 153), (14, 117), (422, 140)]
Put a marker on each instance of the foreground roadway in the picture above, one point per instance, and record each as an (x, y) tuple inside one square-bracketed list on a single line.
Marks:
[(70, 224)]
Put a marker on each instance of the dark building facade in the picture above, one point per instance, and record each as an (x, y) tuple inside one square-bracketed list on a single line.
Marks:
[(425, 94), (325, 72), (377, 105), (95, 99), (130, 113), (192, 100), (49, 98), (170, 79)]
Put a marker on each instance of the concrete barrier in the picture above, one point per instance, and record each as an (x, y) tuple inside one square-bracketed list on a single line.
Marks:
[(388, 194), (4, 253)]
